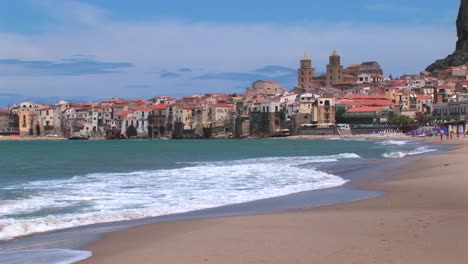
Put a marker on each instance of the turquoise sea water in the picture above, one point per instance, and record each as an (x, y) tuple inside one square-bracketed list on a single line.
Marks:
[(50, 185)]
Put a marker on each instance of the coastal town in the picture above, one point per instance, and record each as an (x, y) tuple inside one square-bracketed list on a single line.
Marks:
[(358, 98)]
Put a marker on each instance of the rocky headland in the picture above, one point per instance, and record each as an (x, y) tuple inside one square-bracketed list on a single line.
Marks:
[(460, 56)]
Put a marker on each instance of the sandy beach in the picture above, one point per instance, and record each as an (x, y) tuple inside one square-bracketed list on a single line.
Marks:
[(18, 138), (421, 219)]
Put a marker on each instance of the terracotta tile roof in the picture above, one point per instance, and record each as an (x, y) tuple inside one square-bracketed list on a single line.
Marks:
[(122, 113), (375, 102), (445, 87), (142, 108), (160, 106), (364, 109)]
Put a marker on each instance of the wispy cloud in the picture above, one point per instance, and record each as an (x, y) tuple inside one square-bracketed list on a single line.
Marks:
[(185, 70), (169, 75), (10, 99), (15, 67), (219, 56), (230, 76), (285, 75), (275, 69)]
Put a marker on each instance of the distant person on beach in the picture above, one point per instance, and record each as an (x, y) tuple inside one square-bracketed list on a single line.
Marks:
[(451, 135), (441, 132)]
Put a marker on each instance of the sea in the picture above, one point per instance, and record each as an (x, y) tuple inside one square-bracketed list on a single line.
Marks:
[(51, 189)]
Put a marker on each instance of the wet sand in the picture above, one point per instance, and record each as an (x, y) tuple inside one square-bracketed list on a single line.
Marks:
[(422, 219)]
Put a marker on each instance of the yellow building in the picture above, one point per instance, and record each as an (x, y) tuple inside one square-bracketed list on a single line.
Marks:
[(28, 119), (184, 114)]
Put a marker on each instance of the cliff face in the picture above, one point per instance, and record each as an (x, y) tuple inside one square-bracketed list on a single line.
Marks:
[(460, 56)]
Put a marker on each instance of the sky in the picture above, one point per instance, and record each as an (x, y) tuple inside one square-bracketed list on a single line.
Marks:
[(97, 49)]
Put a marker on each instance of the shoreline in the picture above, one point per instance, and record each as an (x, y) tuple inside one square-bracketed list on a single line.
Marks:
[(88, 234), (361, 136), (144, 240), (79, 237), (41, 138)]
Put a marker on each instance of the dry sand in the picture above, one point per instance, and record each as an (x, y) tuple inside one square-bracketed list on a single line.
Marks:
[(423, 218), (29, 138)]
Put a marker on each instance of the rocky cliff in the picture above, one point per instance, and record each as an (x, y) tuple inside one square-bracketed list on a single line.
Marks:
[(460, 56)]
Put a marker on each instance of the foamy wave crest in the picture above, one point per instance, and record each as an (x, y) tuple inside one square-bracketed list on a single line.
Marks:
[(44, 256), (106, 197), (393, 142), (401, 154), (291, 161), (346, 139)]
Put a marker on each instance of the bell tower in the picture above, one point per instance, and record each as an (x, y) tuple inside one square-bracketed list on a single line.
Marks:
[(334, 70), (306, 73)]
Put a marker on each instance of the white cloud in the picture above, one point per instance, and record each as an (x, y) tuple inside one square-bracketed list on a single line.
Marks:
[(157, 46)]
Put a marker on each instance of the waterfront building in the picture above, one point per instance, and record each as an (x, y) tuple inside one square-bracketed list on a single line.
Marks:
[(183, 114), (457, 106), (157, 120), (316, 110), (326, 107), (8, 121), (220, 115), (49, 120), (28, 118), (267, 118)]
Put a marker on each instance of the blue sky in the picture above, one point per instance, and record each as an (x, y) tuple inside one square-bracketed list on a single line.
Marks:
[(105, 48)]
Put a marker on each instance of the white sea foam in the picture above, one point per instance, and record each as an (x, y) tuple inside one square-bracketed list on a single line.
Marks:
[(106, 197), (401, 154), (393, 142), (44, 256), (347, 139)]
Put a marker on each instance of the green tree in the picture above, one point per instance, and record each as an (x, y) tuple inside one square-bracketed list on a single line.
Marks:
[(401, 120), (340, 110)]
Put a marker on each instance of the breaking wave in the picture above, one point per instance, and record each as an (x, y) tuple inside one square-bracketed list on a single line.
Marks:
[(106, 197)]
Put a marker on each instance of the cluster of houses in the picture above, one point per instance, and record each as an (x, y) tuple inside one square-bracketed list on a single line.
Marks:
[(265, 109)]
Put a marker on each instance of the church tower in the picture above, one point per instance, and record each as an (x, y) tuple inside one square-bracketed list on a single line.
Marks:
[(306, 73), (334, 70)]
